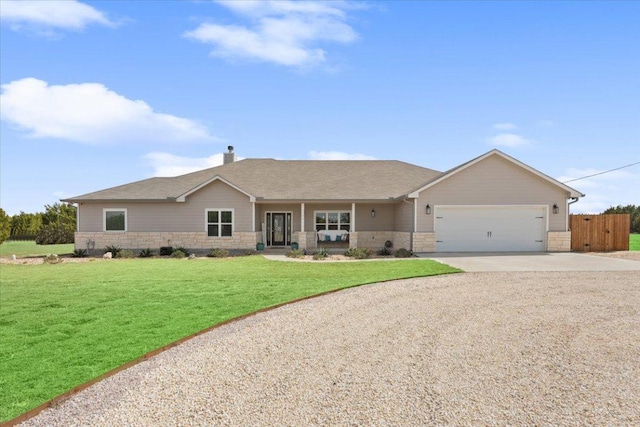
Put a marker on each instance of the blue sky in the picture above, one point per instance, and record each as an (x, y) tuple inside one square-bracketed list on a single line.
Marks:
[(101, 93)]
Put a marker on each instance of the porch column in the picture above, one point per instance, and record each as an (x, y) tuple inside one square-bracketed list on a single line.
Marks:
[(302, 217), (253, 216), (353, 217)]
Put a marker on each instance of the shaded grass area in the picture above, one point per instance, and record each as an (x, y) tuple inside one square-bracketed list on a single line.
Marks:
[(62, 325), (29, 248), (634, 242)]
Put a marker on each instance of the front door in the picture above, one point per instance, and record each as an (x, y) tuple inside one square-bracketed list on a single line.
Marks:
[(278, 228)]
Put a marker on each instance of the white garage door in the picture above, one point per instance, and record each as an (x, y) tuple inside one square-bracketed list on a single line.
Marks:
[(490, 228)]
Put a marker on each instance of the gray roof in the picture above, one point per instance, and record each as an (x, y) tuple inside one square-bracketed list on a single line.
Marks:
[(269, 179)]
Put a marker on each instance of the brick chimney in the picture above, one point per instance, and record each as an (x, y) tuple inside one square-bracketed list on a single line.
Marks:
[(229, 157)]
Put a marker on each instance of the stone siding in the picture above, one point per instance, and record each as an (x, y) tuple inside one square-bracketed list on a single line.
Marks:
[(154, 240), (424, 242), (401, 239), (373, 239), (559, 241)]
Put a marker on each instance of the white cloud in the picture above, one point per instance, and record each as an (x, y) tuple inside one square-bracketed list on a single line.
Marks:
[(90, 113), (282, 32), (509, 140), (620, 187), (165, 164), (337, 155), (42, 16), (504, 126)]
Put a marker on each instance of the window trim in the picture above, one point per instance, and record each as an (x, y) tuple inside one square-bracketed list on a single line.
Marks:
[(219, 223), (104, 219), (326, 224)]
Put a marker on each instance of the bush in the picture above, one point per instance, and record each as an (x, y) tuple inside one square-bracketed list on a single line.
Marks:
[(125, 253), (403, 253), (183, 250), (218, 253), (147, 253), (358, 253), (295, 253), (388, 244), (177, 253), (52, 259), (55, 234), (115, 250), (79, 253), (385, 251), (323, 254)]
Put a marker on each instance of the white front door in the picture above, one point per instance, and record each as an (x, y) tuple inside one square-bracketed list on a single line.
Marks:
[(491, 228)]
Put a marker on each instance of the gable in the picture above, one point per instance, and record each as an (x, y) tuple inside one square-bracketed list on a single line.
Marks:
[(496, 180), (498, 170)]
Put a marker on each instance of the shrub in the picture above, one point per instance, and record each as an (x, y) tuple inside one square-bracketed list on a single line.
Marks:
[(147, 253), (55, 234), (295, 253), (183, 250), (79, 253), (403, 253), (177, 253), (125, 253), (358, 253), (115, 250), (385, 251), (52, 259), (218, 253), (323, 254), (388, 244)]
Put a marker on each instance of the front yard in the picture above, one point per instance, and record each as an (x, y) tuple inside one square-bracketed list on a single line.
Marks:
[(62, 325)]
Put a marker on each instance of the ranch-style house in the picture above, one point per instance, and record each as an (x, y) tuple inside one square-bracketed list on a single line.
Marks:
[(492, 203)]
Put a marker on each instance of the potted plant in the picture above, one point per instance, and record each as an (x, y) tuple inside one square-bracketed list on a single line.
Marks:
[(260, 246), (294, 246)]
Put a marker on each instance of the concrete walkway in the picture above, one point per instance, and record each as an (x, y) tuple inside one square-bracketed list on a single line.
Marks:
[(568, 261)]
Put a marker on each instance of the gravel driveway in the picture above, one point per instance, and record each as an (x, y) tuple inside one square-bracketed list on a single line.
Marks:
[(517, 348)]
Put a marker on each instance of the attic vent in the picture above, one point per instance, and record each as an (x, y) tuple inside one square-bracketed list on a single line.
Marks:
[(229, 157)]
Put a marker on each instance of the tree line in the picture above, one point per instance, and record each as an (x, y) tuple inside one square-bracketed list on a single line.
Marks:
[(55, 225), (632, 210)]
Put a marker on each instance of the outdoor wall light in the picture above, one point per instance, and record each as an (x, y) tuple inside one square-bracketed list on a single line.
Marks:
[(556, 209), (428, 209), (373, 213)]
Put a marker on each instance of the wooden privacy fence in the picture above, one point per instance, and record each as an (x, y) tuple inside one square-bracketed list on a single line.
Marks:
[(600, 233)]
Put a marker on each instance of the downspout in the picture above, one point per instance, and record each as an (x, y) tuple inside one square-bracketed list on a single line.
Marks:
[(573, 200), (415, 219)]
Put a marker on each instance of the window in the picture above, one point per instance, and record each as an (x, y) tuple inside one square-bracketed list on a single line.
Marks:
[(333, 220), (115, 219), (219, 223)]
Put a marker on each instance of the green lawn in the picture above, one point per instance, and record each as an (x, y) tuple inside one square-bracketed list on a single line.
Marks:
[(634, 242), (29, 248), (62, 325)]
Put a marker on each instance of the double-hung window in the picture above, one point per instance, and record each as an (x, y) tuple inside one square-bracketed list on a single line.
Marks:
[(219, 222), (115, 219), (333, 220)]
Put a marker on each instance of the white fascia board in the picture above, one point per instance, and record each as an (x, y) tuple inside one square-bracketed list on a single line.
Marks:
[(572, 192), (183, 197)]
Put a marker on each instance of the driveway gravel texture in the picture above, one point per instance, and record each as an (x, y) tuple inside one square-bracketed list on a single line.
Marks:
[(554, 348)]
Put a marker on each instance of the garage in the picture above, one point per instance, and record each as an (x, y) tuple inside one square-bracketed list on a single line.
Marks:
[(491, 228)]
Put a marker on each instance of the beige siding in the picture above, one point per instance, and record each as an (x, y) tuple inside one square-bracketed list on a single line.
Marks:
[(383, 220), (404, 216), (493, 181), (173, 216)]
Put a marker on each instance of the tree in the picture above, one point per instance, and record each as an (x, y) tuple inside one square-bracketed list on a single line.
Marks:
[(58, 224), (5, 225), (632, 210), (26, 224)]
